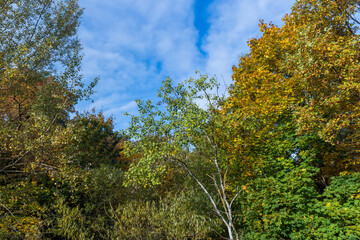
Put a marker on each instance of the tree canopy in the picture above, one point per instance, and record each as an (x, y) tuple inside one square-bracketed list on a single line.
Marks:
[(275, 158)]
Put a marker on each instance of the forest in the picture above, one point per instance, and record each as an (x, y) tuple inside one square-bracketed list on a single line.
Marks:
[(277, 157)]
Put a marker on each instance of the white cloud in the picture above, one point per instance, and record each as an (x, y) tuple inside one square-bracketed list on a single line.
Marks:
[(233, 23), (135, 44), (140, 31), (128, 107)]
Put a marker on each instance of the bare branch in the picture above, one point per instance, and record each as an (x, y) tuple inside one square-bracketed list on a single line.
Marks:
[(182, 164)]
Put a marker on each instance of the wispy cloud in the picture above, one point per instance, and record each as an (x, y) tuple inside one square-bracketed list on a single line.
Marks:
[(135, 44), (232, 24), (139, 38)]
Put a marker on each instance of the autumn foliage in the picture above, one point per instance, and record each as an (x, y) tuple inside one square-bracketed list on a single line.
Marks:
[(276, 158), (302, 77)]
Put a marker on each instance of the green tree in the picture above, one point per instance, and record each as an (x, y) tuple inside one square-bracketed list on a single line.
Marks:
[(305, 69), (40, 75), (92, 141), (88, 181), (293, 109), (40, 82), (172, 131), (171, 217)]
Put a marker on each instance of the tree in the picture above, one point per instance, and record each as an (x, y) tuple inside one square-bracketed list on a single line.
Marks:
[(326, 73), (171, 217), (302, 77), (92, 141), (40, 82), (174, 132), (294, 111), (40, 76)]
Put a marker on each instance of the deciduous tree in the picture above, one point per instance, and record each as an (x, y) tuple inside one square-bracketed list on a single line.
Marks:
[(294, 112), (176, 128), (40, 81)]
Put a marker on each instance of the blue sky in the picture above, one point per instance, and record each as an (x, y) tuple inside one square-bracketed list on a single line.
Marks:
[(133, 45)]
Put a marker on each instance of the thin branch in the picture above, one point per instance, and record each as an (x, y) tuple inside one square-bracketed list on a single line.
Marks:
[(352, 18), (37, 22), (221, 197), (9, 212), (12, 215), (222, 194), (182, 164), (236, 195), (15, 162)]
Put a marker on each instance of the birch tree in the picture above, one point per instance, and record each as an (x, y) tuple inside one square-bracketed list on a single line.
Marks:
[(167, 133)]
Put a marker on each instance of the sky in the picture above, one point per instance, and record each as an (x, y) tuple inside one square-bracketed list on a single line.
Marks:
[(133, 45)]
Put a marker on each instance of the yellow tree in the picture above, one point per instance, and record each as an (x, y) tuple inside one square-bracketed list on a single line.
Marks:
[(294, 113), (307, 71)]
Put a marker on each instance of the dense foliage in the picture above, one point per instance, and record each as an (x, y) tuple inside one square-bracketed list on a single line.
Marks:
[(276, 158)]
